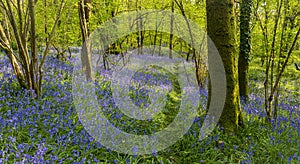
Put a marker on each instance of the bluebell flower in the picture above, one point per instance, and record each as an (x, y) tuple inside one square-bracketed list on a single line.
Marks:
[(280, 155), (235, 147)]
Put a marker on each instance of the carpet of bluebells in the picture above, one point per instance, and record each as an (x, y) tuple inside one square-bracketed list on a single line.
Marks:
[(48, 130)]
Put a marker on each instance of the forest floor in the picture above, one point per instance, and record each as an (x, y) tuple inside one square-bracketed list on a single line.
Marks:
[(48, 130)]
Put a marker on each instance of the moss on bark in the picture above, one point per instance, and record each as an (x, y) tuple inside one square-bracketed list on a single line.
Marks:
[(221, 28)]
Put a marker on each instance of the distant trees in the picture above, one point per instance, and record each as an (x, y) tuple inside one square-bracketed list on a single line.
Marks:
[(23, 33), (200, 65), (221, 29), (279, 24)]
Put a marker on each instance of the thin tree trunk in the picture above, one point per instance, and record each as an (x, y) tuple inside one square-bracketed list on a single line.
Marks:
[(34, 55), (22, 48), (141, 31), (15, 65), (137, 27), (46, 20), (160, 44), (197, 58), (270, 67), (171, 31)]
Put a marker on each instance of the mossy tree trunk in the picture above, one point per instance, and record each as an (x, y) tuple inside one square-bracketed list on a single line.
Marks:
[(221, 29), (245, 46)]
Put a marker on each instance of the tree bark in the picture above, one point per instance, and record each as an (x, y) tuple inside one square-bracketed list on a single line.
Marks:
[(84, 15), (26, 67), (34, 61), (4, 44), (221, 29), (245, 47)]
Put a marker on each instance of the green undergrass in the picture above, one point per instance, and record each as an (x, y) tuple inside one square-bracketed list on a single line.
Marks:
[(252, 144), (291, 77)]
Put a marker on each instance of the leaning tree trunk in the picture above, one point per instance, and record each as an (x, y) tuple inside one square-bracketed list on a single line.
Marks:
[(221, 29), (245, 47), (14, 63), (84, 15)]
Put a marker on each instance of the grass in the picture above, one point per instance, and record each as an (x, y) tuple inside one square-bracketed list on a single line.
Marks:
[(49, 131)]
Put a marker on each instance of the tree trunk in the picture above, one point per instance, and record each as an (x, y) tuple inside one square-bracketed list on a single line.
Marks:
[(221, 29), (34, 61), (26, 66), (139, 28), (245, 47), (84, 15), (171, 31), (200, 68), (160, 43), (14, 63), (269, 73)]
